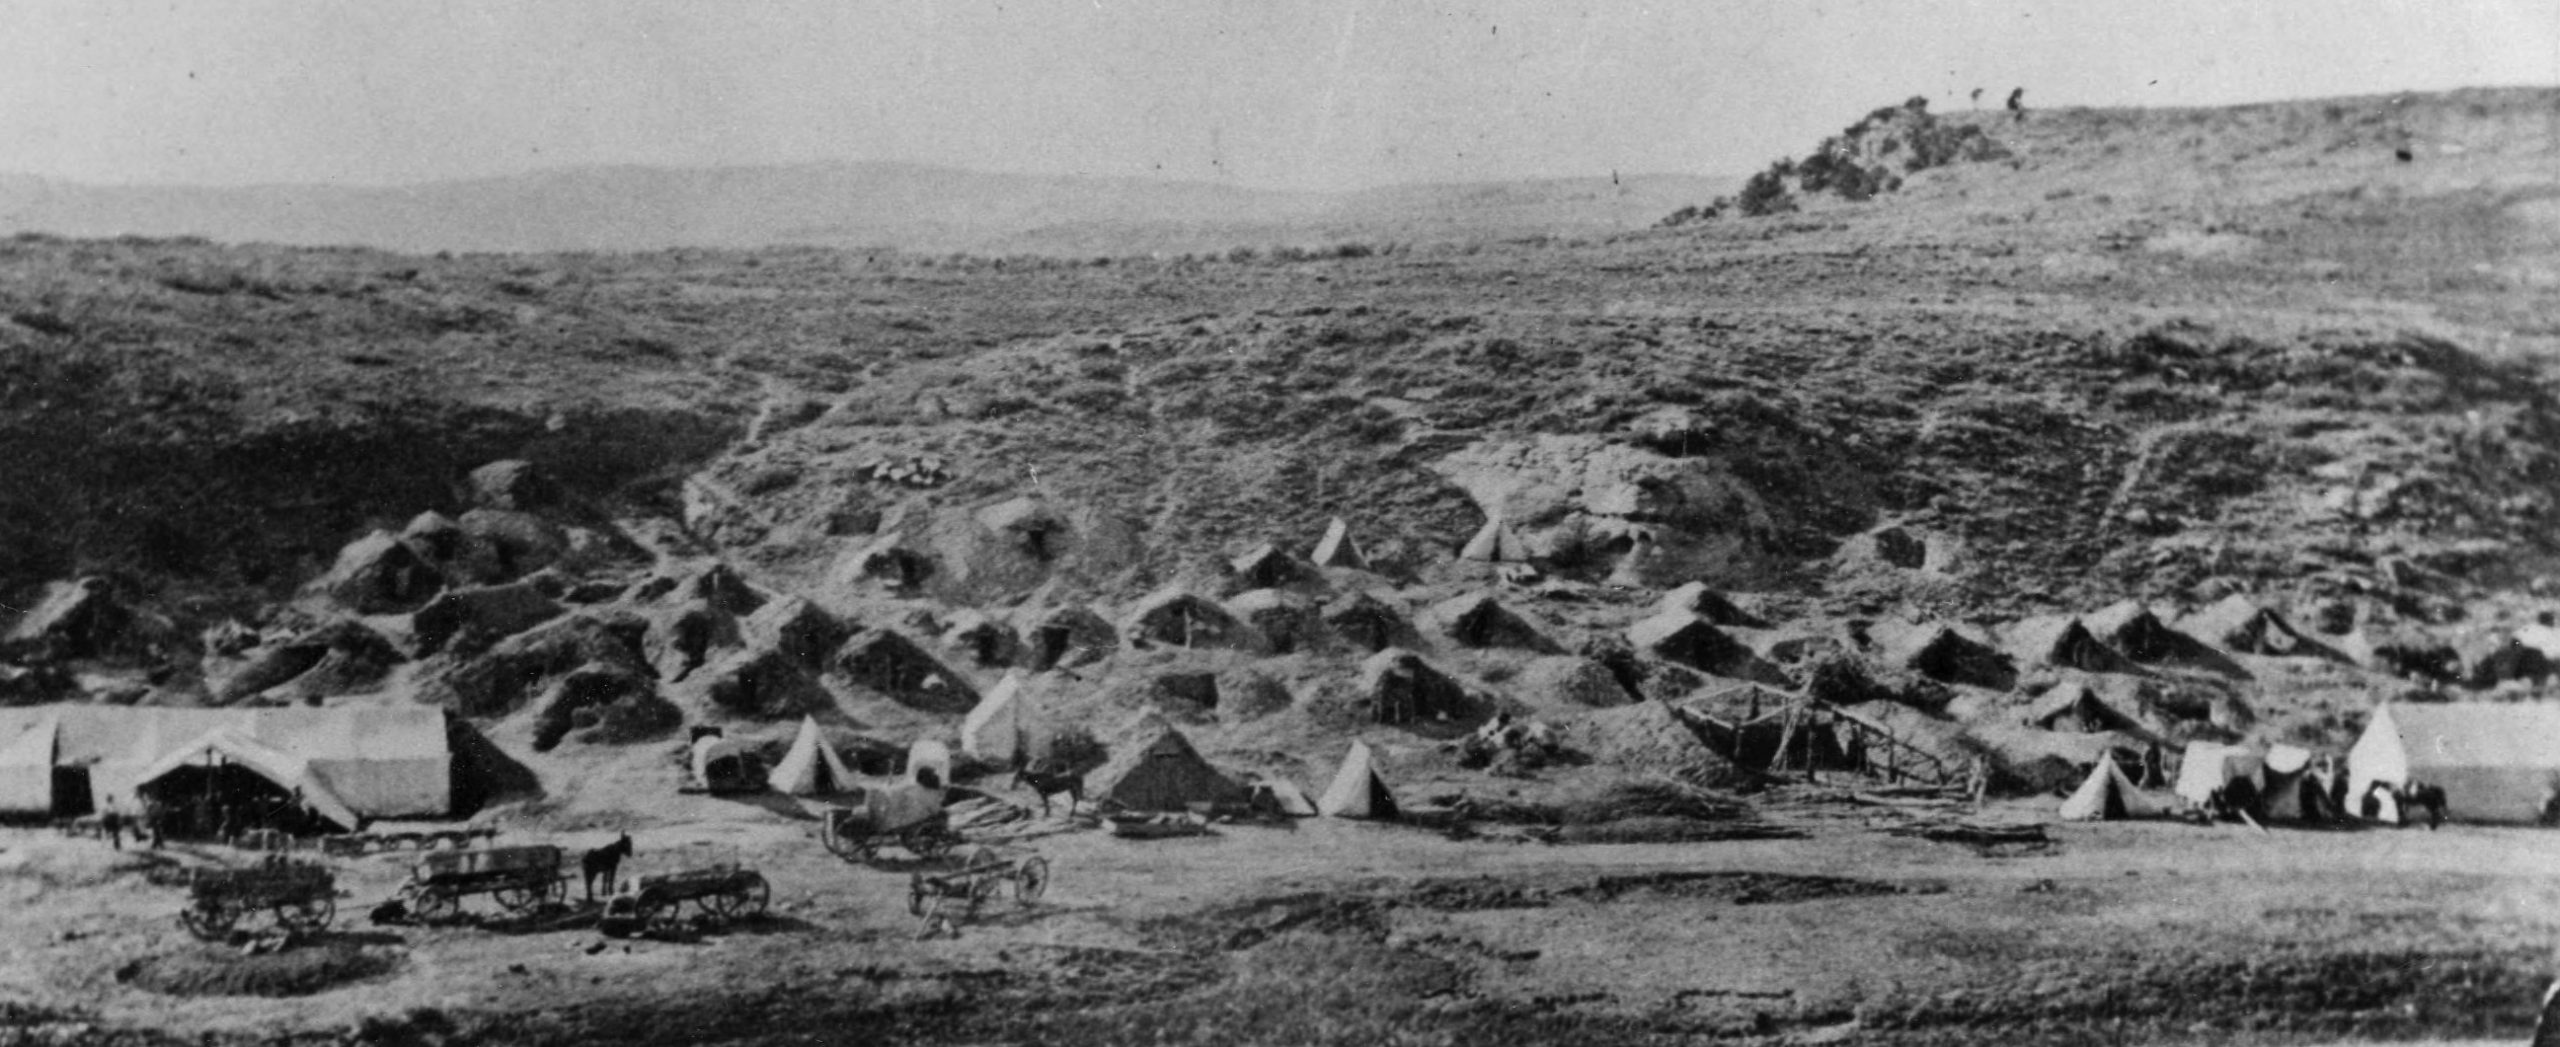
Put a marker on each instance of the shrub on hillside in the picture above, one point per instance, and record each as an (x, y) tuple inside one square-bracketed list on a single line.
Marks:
[(1867, 158)]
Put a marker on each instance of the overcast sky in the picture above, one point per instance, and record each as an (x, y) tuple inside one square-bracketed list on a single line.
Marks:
[(1316, 94)]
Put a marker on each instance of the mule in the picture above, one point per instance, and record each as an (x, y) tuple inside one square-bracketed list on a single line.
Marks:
[(603, 862)]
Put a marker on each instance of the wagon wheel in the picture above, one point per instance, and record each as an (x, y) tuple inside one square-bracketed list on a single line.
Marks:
[(209, 920), (852, 848), (1030, 880), (661, 916), (744, 899), (527, 894), (307, 915), (981, 889), (930, 841), (433, 904)]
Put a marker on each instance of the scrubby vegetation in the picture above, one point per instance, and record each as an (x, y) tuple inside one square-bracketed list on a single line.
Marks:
[(1870, 157)]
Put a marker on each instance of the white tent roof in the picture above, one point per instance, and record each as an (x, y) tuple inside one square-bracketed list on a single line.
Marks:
[(287, 770), (2211, 765), (26, 770), (384, 761), (2088, 803), (1357, 790), (2496, 761), (1495, 543), (811, 767)]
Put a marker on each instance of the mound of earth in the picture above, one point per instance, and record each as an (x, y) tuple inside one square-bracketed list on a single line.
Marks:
[(208, 970)]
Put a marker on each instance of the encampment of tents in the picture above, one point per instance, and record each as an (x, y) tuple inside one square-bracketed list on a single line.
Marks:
[(1357, 790), (812, 767), (2496, 762)]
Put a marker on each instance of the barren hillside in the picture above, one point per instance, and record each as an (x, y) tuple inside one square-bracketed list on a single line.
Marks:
[(2297, 352)]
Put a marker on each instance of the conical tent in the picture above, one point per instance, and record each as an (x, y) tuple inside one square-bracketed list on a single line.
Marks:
[(1496, 544), (1281, 796), (811, 767), (1357, 791), (994, 730), (1337, 549), (1164, 774), (2108, 795)]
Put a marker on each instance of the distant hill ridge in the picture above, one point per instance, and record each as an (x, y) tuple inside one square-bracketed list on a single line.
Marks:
[(902, 206)]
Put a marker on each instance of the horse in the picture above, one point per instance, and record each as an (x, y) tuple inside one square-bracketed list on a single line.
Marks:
[(603, 862), (1047, 783)]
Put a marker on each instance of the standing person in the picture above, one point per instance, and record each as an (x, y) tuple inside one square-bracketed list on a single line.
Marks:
[(2018, 104), (153, 821), (112, 823)]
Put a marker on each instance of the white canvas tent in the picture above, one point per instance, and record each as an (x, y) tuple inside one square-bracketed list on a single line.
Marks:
[(226, 746), (26, 770), (1282, 796), (812, 767), (994, 729), (2497, 762), (383, 761), (1357, 790), (1495, 543), (2211, 765), (2108, 795)]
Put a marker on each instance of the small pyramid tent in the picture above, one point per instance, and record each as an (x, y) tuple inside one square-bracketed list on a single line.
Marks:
[(1266, 567), (1337, 549), (1943, 652), (812, 767), (1357, 790), (1160, 771), (1495, 543), (994, 730), (2239, 624), (2108, 795), (2063, 642), (1283, 797)]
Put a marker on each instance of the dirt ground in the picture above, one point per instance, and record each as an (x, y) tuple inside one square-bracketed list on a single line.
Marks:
[(2136, 932)]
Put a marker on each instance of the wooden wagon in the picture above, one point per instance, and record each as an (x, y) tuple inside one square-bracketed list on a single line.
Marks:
[(718, 895), (911, 817), (519, 879), (294, 897), (942, 899)]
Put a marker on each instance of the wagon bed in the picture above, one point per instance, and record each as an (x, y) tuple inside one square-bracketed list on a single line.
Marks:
[(717, 894), (520, 879), (296, 897)]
